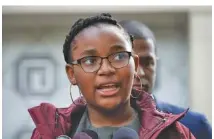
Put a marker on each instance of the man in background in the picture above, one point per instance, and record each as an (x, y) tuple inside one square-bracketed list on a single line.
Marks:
[(144, 46)]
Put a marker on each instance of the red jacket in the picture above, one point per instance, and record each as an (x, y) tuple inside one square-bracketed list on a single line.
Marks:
[(52, 122)]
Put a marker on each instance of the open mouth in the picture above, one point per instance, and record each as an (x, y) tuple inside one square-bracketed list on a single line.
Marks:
[(108, 89)]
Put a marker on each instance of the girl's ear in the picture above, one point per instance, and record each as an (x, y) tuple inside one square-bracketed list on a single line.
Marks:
[(136, 61), (70, 74)]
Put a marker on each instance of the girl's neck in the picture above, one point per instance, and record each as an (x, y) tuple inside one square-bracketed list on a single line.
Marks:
[(118, 117)]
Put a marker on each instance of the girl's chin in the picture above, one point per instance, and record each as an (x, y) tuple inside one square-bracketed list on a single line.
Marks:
[(110, 105)]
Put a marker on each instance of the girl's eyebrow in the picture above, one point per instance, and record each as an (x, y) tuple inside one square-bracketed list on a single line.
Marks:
[(117, 47), (90, 51)]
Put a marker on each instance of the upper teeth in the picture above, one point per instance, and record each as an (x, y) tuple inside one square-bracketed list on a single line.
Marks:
[(108, 85)]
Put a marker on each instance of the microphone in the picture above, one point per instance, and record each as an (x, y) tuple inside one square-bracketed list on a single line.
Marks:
[(81, 135), (86, 134), (125, 133)]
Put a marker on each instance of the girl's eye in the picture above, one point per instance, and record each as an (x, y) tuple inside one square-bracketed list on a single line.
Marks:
[(120, 56), (89, 60)]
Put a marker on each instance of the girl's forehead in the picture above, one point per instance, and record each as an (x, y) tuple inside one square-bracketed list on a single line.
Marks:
[(101, 35), (96, 30)]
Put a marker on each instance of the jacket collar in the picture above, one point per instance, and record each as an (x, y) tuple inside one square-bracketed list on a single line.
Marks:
[(151, 119)]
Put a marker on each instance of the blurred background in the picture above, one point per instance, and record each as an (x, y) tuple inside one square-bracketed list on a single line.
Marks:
[(34, 68)]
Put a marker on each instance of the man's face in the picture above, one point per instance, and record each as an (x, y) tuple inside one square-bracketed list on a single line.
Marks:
[(145, 49)]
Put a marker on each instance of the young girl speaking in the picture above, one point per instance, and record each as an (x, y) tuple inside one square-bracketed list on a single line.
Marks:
[(100, 61)]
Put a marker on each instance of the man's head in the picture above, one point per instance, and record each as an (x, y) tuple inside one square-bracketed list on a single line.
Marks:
[(144, 47)]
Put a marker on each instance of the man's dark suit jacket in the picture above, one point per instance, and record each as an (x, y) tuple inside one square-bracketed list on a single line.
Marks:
[(196, 122)]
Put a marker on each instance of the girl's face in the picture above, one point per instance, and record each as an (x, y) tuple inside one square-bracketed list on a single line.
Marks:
[(108, 87)]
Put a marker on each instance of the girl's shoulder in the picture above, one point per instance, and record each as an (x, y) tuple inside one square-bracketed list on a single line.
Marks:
[(51, 121)]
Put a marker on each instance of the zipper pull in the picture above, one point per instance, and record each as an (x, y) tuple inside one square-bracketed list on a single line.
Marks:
[(56, 120), (164, 120)]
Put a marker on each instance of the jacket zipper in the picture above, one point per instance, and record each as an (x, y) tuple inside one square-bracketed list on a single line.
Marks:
[(56, 119), (156, 128), (57, 123)]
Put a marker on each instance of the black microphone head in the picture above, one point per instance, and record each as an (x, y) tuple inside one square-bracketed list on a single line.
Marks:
[(81, 135), (125, 133), (91, 133)]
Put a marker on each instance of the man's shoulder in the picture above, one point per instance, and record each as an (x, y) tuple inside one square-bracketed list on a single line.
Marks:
[(195, 121), (170, 108)]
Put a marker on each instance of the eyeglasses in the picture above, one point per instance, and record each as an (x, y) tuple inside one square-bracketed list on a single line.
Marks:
[(93, 63)]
